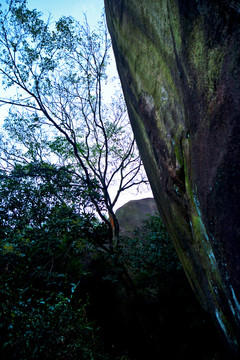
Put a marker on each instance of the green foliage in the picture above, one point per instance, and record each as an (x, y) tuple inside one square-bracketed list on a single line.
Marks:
[(46, 328), (45, 243), (150, 256), (36, 192), (28, 136)]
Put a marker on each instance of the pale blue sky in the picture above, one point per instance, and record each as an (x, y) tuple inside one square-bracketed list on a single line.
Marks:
[(75, 8)]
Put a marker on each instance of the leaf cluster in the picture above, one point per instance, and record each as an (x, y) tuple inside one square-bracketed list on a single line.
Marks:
[(150, 256), (45, 244)]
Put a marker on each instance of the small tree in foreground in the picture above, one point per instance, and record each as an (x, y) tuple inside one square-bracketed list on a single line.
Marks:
[(58, 113)]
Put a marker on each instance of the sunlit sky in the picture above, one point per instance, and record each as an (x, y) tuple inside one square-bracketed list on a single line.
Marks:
[(77, 8)]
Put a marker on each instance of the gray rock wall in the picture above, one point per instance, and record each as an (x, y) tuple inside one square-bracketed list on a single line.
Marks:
[(179, 66)]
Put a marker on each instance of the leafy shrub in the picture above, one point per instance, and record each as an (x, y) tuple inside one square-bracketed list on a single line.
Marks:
[(150, 256), (44, 245), (42, 315)]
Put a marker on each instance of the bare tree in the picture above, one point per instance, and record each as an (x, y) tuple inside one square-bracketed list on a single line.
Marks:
[(55, 82)]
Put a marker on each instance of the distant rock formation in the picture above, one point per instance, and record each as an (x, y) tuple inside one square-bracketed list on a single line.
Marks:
[(179, 64), (132, 214)]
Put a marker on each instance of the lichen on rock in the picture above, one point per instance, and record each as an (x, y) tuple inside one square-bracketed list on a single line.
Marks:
[(179, 64)]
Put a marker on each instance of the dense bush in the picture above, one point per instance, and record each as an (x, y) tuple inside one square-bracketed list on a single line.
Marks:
[(44, 243), (150, 256), (42, 313)]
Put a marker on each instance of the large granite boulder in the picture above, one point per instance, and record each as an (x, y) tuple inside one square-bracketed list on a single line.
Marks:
[(179, 63), (132, 214)]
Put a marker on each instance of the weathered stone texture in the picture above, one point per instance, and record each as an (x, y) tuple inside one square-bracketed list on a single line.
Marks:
[(133, 214), (179, 66)]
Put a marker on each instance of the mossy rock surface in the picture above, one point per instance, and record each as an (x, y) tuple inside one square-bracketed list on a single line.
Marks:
[(179, 64)]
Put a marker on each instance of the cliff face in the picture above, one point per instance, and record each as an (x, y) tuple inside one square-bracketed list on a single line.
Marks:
[(178, 61)]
